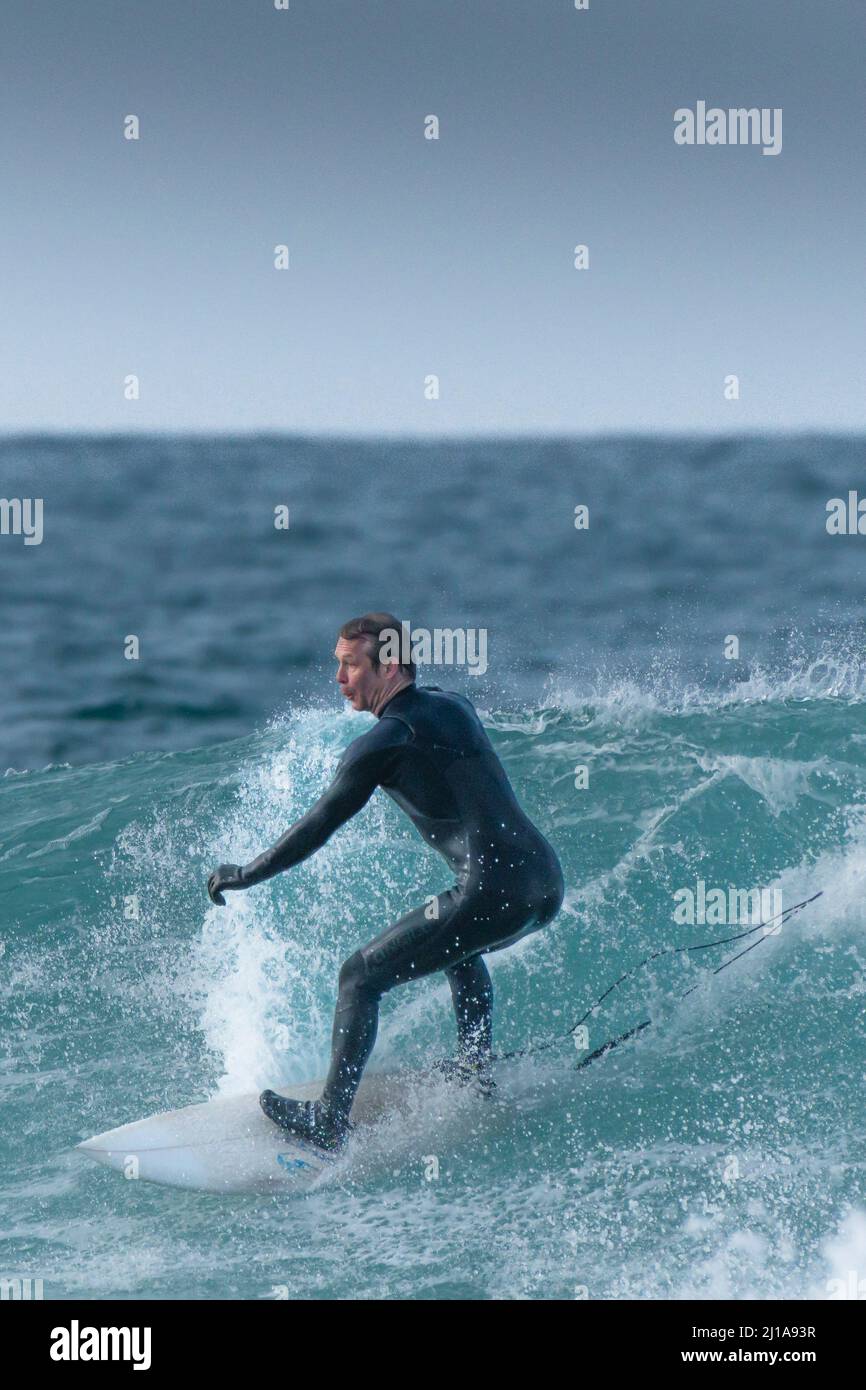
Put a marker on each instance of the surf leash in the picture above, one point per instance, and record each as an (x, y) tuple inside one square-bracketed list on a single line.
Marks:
[(666, 951)]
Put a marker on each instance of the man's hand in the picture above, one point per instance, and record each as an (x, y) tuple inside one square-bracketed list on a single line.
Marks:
[(226, 876)]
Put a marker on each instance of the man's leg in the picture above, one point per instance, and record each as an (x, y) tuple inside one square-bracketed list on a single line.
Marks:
[(472, 994), (413, 947), (356, 1022), (408, 949), (363, 980)]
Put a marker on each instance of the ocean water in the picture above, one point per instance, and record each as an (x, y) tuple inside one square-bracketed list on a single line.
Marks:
[(720, 1153)]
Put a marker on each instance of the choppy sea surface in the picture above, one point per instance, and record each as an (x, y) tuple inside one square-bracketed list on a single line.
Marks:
[(720, 1153)]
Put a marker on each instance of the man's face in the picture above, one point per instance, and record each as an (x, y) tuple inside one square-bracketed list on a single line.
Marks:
[(360, 684)]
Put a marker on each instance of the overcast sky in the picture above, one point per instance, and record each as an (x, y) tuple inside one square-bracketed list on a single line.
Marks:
[(411, 257)]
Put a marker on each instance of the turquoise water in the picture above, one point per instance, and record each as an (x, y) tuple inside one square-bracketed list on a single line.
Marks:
[(720, 1154), (611, 1178)]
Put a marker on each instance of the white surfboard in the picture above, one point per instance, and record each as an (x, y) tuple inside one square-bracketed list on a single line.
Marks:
[(230, 1145)]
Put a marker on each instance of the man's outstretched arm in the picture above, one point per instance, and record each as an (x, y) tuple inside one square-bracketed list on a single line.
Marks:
[(356, 780)]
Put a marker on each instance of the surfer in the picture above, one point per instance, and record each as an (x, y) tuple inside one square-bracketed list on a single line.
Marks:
[(429, 752)]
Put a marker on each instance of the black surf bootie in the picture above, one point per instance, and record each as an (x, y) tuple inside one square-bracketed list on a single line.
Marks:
[(467, 1071), (306, 1119)]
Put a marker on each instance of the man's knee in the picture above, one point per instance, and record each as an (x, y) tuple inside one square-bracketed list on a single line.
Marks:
[(354, 978)]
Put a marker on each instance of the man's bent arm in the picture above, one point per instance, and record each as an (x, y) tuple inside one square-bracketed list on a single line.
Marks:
[(351, 789)]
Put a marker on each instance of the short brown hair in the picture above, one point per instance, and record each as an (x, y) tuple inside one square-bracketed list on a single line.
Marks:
[(372, 625)]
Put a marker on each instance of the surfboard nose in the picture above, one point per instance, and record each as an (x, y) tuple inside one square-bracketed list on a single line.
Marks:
[(96, 1150)]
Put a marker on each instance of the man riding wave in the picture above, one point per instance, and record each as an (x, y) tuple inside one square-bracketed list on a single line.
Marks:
[(429, 752)]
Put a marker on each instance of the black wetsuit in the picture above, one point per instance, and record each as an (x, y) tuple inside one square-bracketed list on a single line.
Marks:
[(429, 752)]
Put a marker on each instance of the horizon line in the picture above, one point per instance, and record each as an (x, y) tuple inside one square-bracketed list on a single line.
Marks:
[(366, 437)]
